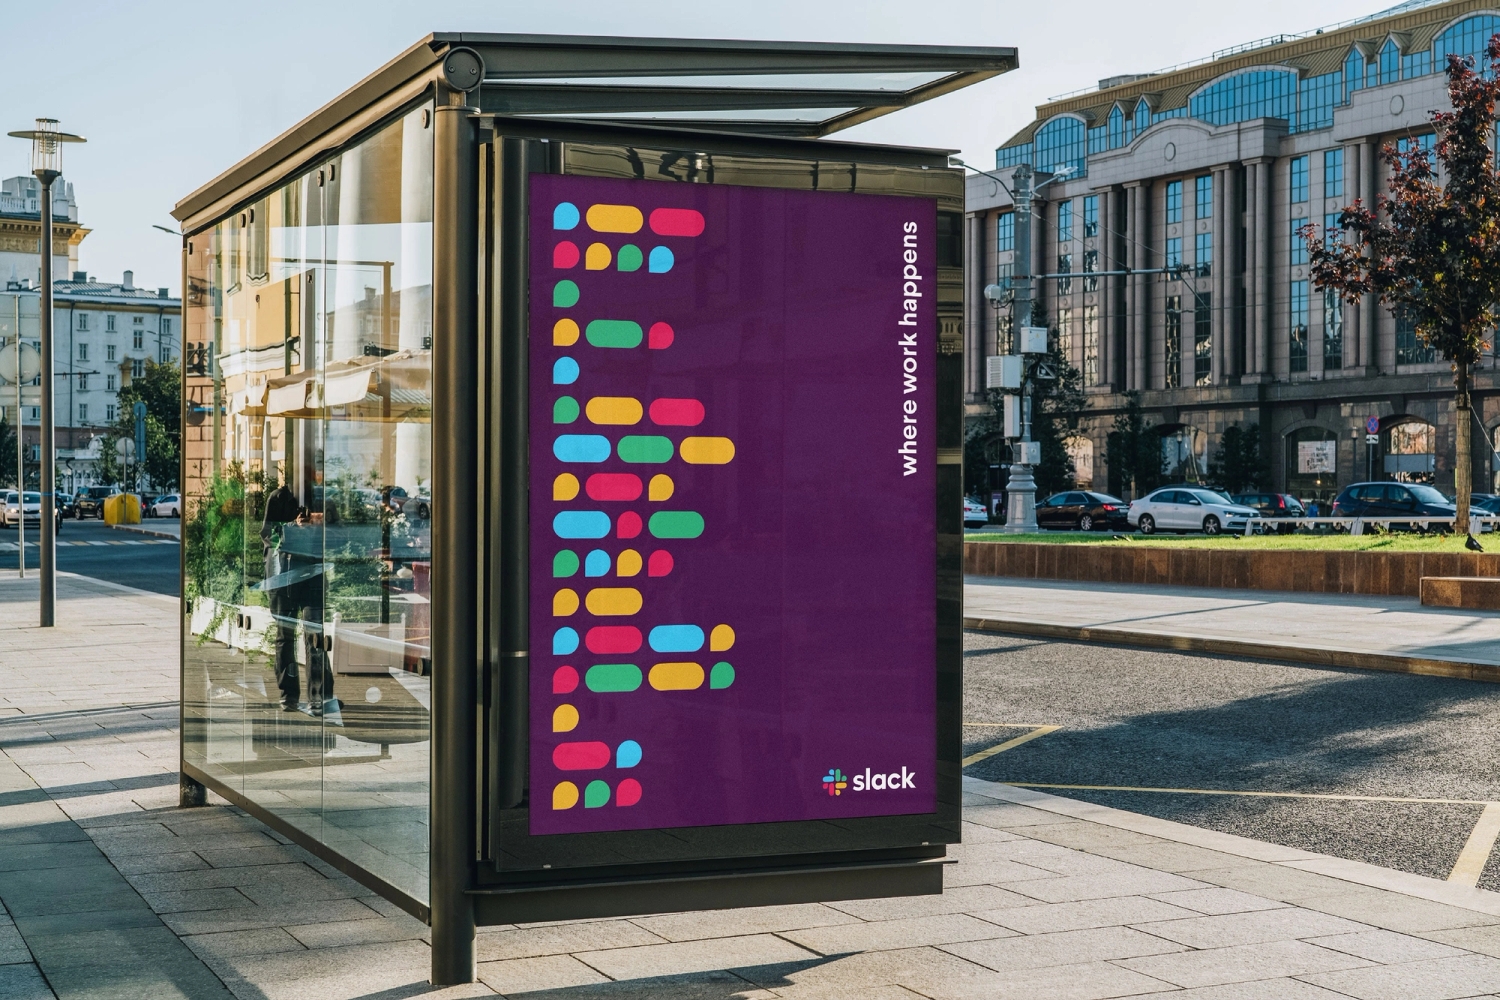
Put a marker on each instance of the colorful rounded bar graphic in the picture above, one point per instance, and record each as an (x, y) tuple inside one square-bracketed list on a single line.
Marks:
[(565, 487), (614, 410), (659, 337), (629, 258), (676, 524), (613, 601), (564, 333), (565, 563), (564, 680), (706, 450), (660, 261), (721, 639), (612, 678), (564, 641), (676, 412), (621, 333), (597, 258), (644, 449), (564, 371), (564, 719), (629, 563), (565, 255), (606, 639), (629, 525), (581, 448), (676, 676), (565, 410), (614, 486), (596, 563), (675, 222), (659, 564), (614, 218), (596, 794), (661, 488), (674, 638), (623, 678), (565, 294), (581, 524), (582, 756), (564, 603), (565, 216)]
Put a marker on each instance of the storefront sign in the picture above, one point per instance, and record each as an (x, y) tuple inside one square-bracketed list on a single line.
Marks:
[(1317, 457), (732, 505)]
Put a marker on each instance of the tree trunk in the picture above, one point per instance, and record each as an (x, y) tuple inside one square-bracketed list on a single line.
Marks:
[(1463, 472)]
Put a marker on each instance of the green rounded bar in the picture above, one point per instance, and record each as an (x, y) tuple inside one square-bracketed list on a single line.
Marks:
[(564, 294), (614, 333), (629, 258), (721, 676), (605, 678), (565, 563), (676, 524), (565, 410), (644, 449)]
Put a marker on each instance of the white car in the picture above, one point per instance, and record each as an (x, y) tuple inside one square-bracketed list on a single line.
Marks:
[(167, 506), (10, 510), (1188, 509), (975, 516)]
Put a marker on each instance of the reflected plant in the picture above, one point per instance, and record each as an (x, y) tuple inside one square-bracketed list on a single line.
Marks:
[(213, 546)]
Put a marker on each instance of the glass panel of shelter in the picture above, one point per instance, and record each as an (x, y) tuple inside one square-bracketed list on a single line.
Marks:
[(308, 546)]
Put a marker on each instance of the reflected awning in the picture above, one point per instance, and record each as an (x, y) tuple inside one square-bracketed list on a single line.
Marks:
[(392, 388)]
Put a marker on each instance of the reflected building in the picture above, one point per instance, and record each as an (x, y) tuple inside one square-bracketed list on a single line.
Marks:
[(1185, 191)]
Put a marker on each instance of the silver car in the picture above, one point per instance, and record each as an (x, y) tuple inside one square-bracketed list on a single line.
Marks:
[(1188, 509), (11, 510)]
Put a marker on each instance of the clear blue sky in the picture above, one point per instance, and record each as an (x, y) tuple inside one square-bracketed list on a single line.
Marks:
[(171, 93)]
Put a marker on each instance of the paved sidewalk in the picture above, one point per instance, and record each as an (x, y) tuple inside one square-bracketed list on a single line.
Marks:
[(109, 890), (158, 527), (1336, 629)]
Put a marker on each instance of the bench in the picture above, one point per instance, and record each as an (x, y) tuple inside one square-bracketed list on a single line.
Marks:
[(1478, 592)]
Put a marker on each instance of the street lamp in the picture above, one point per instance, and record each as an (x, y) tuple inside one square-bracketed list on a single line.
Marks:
[(46, 164)]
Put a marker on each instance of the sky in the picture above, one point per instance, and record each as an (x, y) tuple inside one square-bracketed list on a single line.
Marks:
[(170, 94)]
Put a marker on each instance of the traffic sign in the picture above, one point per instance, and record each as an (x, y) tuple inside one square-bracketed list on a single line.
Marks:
[(1372, 425), (1372, 439), (30, 363)]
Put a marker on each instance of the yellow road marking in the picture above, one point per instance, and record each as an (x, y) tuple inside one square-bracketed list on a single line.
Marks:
[(1009, 744), (1003, 725), (1252, 794), (1471, 860)]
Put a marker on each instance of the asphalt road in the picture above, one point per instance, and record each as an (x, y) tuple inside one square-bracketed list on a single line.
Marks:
[(1145, 719), (131, 558)]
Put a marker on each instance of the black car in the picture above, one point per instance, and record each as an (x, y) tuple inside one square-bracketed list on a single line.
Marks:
[(89, 501), (1082, 510), (1488, 503), (1271, 504), (1391, 500)]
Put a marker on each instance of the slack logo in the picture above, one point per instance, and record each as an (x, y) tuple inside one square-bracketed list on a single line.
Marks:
[(835, 781)]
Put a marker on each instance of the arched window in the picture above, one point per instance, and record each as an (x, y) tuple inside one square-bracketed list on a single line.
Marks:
[(1062, 143), (1390, 62), (1466, 38), (1184, 452), (1312, 463), (1254, 93), (1116, 128), (1411, 451), (1142, 116), (1354, 73)]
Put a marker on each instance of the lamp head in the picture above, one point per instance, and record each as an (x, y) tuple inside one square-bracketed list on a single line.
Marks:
[(46, 147)]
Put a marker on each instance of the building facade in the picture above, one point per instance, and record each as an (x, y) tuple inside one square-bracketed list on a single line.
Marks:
[(1185, 190), (21, 231)]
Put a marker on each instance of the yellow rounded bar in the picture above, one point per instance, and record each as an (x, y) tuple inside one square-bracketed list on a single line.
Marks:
[(565, 795), (628, 563), (706, 450), (613, 601), (564, 719), (661, 488), (564, 603), (614, 218), (565, 487), (598, 256), (676, 676), (721, 638), (564, 333), (614, 410)]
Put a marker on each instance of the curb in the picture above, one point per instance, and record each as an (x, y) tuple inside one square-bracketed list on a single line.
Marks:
[(141, 530), (1356, 872), (1318, 656)]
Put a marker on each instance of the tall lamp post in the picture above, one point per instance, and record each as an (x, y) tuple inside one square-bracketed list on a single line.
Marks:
[(46, 164)]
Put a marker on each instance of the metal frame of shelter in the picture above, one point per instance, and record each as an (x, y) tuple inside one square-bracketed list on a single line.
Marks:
[(507, 105)]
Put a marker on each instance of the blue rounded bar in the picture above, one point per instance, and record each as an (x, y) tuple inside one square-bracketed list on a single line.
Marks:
[(676, 638), (564, 641), (660, 261), (581, 448), (581, 524)]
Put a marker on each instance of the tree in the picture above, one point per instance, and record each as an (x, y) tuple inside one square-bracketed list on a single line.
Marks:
[(1133, 451), (160, 388), (1238, 464), (1056, 405), (1432, 250)]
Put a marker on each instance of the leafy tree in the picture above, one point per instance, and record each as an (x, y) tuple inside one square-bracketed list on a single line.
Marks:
[(1133, 451), (1238, 465), (161, 390), (1056, 405), (1432, 250)]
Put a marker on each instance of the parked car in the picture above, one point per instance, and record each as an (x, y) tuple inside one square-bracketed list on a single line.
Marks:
[(975, 516), (1083, 510), (418, 507), (13, 509), (89, 501), (65, 504), (1487, 503), (1381, 500), (1273, 505), (169, 505), (1193, 509)]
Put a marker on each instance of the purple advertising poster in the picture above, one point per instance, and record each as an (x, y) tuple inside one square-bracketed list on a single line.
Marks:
[(733, 513)]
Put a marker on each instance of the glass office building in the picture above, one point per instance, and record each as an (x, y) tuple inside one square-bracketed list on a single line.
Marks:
[(508, 368)]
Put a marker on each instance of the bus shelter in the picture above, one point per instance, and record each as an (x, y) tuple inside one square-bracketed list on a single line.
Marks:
[(572, 468)]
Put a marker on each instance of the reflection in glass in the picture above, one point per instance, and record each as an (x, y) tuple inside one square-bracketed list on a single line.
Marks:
[(307, 535)]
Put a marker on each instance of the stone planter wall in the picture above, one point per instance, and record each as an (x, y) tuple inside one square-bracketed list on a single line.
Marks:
[(1398, 573)]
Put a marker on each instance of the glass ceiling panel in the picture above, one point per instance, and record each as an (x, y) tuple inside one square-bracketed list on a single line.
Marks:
[(791, 81), (761, 115)]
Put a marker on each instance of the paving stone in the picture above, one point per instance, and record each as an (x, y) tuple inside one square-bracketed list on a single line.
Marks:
[(24, 982), (927, 971), (1067, 947), (759, 919), (1386, 946), (1216, 966), (694, 956), (1484, 939), (1261, 989), (1217, 900), (1397, 913), (958, 899), (882, 935), (1439, 979), (1136, 882), (534, 975), (345, 932), (1228, 929), (261, 941), (1089, 981), (1116, 911), (249, 916), (559, 939)]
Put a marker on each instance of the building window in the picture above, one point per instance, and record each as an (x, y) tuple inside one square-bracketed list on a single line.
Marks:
[(1174, 201), (1064, 221), (1090, 345), (166, 326), (1390, 62), (1426, 142), (1065, 334), (36, 413), (83, 381), (1333, 331), (138, 320), (1203, 196), (1354, 73), (109, 413), (1299, 179), (1333, 173), (1064, 266), (1203, 338), (83, 351), (83, 321), (1005, 232), (109, 352), (1174, 341), (1410, 349), (1091, 216), (109, 383), (1299, 245), (137, 368), (166, 354), (1203, 254), (1090, 265), (1298, 345), (109, 323), (1061, 144), (1174, 255), (138, 340), (1331, 222), (83, 413)]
